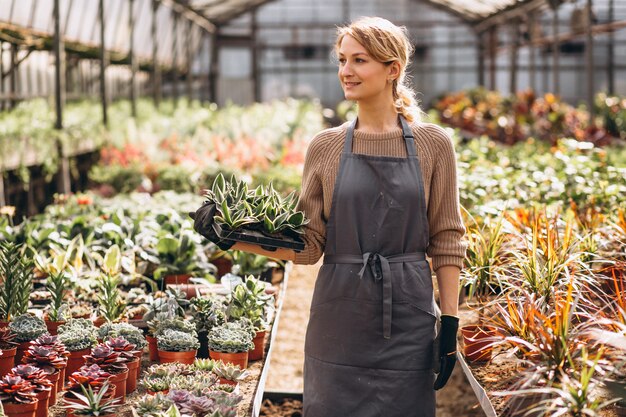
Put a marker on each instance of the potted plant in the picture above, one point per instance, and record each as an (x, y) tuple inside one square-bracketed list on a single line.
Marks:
[(229, 373), (128, 332), (56, 284), (52, 342), (110, 361), (26, 328), (171, 304), (17, 396), (78, 336), (8, 347), (250, 300), (128, 354), (50, 363), (42, 386), (156, 385), (90, 403), (87, 376), (151, 405), (230, 343), (206, 313), (177, 346), (112, 306), (17, 282), (481, 275)]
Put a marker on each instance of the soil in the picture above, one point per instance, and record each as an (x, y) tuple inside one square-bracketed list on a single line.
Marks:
[(285, 375)]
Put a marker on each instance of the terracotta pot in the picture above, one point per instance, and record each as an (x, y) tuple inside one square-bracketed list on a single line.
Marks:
[(20, 410), (61, 385), (259, 347), (190, 290), (119, 380), (240, 358), (53, 326), (54, 380), (186, 358), (152, 348), (43, 398), (176, 279), (75, 361), (164, 392), (99, 321), (7, 360), (228, 382), (477, 342), (133, 370), (223, 265), (19, 353)]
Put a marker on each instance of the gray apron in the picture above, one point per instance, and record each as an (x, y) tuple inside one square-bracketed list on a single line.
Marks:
[(369, 341)]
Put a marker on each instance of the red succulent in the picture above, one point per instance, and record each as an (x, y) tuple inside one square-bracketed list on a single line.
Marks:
[(45, 358), (34, 375), (88, 376), (106, 358), (6, 339), (15, 389), (121, 345)]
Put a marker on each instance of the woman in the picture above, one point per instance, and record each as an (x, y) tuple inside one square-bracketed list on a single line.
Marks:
[(381, 194)]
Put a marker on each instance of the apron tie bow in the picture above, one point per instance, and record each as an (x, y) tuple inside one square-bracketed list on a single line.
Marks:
[(381, 271), (379, 266)]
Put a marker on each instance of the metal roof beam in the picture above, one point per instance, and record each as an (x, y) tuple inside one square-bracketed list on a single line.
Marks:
[(516, 11), (191, 13)]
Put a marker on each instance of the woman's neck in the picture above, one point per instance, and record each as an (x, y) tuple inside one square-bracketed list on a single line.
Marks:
[(377, 118)]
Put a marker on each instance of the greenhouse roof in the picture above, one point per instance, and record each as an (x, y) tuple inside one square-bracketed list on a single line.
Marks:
[(221, 11), (476, 11)]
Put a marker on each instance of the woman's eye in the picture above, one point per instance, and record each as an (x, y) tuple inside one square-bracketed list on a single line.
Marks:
[(342, 60), (360, 60)]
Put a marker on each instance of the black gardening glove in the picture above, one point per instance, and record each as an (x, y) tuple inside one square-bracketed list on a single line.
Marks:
[(203, 224), (447, 349)]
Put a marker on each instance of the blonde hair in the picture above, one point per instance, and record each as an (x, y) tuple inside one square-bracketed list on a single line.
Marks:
[(387, 43)]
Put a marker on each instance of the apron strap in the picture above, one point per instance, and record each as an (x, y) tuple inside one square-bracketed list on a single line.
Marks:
[(408, 137), (381, 271), (347, 147), (407, 133)]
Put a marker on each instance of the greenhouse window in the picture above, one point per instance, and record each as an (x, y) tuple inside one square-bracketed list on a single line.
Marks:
[(301, 52)]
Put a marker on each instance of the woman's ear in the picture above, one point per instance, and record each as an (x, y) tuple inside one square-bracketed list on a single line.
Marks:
[(393, 71)]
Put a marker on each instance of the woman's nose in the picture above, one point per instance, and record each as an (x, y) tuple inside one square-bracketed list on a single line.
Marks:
[(345, 70)]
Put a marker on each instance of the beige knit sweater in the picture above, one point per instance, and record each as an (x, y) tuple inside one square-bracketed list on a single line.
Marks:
[(438, 163)]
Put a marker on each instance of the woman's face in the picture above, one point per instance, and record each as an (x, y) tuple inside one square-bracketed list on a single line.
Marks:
[(362, 78)]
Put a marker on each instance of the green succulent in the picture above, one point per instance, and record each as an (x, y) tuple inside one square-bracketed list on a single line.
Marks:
[(130, 333), (152, 405), (230, 339), (78, 334), (177, 341), (229, 371), (16, 271), (27, 327)]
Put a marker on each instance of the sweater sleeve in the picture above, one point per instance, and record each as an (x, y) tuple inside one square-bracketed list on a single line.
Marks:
[(446, 246), (311, 202)]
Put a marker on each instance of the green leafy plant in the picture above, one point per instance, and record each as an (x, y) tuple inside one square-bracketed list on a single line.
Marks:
[(249, 300), (17, 282), (111, 304), (207, 313), (90, 403), (27, 327)]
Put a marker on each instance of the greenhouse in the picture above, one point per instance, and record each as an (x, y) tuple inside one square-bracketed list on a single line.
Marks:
[(319, 208)]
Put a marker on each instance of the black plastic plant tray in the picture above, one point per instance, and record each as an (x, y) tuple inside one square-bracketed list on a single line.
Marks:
[(258, 238)]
